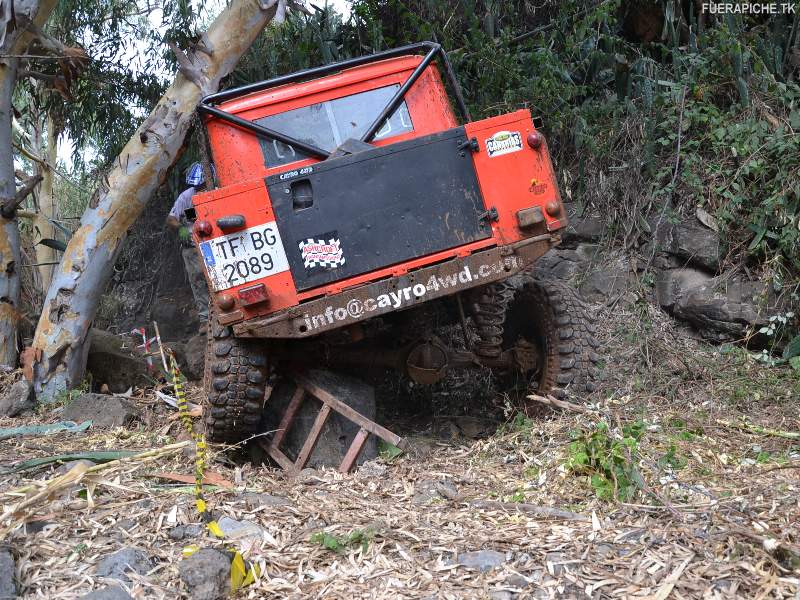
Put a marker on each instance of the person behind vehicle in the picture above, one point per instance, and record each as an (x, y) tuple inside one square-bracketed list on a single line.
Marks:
[(178, 220)]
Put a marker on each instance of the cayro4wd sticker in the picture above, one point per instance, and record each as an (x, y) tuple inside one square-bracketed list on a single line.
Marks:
[(504, 142), (324, 252)]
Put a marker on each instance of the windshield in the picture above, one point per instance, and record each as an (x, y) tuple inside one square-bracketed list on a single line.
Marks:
[(328, 124)]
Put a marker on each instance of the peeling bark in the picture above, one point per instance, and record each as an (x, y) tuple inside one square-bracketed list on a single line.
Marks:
[(60, 344), (15, 37)]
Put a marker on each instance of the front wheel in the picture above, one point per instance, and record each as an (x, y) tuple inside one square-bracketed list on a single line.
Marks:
[(551, 333)]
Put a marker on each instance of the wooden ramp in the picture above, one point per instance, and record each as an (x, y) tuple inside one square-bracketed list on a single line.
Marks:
[(305, 388)]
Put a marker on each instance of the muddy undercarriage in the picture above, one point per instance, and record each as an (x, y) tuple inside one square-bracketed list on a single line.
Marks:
[(533, 334)]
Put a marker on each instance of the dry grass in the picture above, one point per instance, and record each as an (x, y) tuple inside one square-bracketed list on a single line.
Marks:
[(721, 520)]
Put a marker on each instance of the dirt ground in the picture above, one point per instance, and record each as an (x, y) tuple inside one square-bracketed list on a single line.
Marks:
[(681, 479)]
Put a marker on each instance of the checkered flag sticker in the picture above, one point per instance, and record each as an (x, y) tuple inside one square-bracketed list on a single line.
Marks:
[(321, 253)]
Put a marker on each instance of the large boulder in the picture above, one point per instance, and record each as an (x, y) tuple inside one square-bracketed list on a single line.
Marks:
[(688, 241), (194, 356), (102, 410), (721, 308), (16, 399)]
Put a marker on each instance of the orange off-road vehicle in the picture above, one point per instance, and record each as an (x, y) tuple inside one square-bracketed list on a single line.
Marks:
[(353, 215)]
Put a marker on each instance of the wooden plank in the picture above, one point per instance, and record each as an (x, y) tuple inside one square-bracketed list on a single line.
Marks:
[(354, 450), (313, 437), (329, 400), (279, 457), (288, 417)]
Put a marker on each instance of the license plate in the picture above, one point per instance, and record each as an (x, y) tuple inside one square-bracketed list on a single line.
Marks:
[(244, 256)]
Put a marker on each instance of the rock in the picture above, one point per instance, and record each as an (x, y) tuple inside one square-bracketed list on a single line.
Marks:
[(34, 527), (176, 318), (112, 592), (425, 491), (119, 564), (606, 282), (695, 245), (126, 524), (17, 399), (181, 532), (672, 285), (589, 226), (483, 560), (722, 309), (517, 581), (194, 357), (566, 263), (238, 530), (372, 468), (8, 587), (254, 501), (101, 410), (606, 550), (114, 361), (501, 595), (338, 432), (206, 574), (555, 563)]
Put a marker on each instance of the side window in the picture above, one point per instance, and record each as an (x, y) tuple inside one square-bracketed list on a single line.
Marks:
[(328, 124)]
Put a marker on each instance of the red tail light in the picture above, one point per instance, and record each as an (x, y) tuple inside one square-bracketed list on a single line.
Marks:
[(253, 294), (226, 301), (553, 208), (535, 139), (202, 228)]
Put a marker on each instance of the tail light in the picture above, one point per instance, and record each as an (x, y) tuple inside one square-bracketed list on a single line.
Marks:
[(253, 294), (202, 228), (553, 208), (535, 139), (226, 301)]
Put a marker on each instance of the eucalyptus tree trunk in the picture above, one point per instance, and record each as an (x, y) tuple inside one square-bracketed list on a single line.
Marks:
[(61, 342), (48, 208), (15, 35)]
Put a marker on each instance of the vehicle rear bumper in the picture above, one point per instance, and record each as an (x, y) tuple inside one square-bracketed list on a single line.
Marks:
[(399, 293)]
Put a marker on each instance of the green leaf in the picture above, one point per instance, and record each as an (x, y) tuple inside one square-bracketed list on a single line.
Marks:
[(388, 452), (792, 349), (795, 363), (97, 457), (54, 244)]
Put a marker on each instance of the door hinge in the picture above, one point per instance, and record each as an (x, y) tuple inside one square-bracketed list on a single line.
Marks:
[(471, 144), (489, 215)]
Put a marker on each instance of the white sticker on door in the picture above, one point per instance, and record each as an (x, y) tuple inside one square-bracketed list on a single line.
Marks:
[(503, 142)]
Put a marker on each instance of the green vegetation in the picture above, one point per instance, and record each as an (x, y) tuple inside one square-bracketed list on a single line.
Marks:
[(608, 460), (334, 543)]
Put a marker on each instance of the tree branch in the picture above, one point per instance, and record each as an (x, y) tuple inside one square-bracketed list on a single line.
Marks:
[(185, 66), (10, 205)]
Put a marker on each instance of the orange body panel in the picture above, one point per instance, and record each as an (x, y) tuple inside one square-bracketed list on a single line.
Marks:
[(517, 177)]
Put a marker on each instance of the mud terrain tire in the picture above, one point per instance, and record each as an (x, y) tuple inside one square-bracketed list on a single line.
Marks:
[(234, 380), (563, 328)]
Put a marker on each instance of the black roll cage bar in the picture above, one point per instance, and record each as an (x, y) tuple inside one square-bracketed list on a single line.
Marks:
[(433, 50)]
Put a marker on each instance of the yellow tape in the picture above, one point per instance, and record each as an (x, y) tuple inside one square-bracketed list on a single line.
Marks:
[(242, 573)]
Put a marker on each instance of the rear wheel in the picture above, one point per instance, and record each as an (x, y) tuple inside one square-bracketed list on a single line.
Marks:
[(551, 333), (235, 379)]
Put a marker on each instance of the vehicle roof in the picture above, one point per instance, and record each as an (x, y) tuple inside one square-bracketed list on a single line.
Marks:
[(342, 78)]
